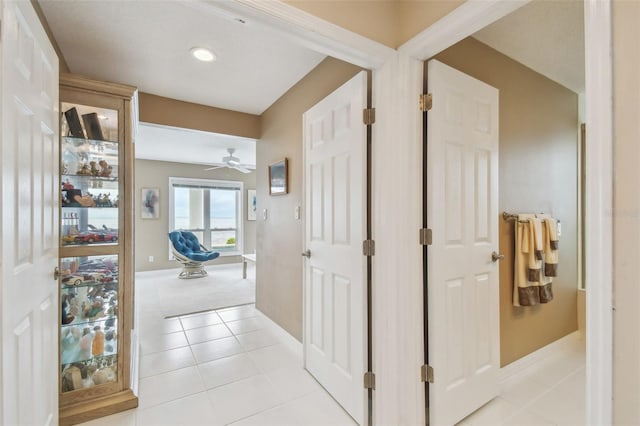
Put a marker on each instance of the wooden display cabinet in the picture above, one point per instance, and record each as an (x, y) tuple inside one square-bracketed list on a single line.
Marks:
[(96, 248)]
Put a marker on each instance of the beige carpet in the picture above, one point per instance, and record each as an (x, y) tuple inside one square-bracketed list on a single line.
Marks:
[(223, 287)]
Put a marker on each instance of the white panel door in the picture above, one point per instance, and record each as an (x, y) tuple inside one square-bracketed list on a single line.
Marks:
[(335, 334), (462, 211), (29, 225)]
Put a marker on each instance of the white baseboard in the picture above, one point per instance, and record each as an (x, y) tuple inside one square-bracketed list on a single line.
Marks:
[(520, 365)]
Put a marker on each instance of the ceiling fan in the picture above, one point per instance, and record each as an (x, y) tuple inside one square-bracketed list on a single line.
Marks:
[(231, 162)]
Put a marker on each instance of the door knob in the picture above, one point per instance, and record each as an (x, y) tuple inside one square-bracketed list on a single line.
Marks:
[(56, 273), (496, 256), (307, 253)]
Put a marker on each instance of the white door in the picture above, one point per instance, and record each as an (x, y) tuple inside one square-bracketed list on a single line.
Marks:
[(29, 224), (462, 212), (335, 334)]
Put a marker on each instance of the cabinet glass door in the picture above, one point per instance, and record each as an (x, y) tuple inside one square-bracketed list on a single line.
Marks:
[(89, 328), (89, 167)]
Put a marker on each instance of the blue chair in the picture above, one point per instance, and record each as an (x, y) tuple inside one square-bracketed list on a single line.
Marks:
[(188, 251)]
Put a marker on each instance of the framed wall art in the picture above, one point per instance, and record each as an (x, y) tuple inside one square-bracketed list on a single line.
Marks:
[(149, 203), (278, 179)]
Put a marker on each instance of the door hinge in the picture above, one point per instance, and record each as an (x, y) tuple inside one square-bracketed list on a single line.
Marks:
[(426, 238), (426, 102), (369, 380), (369, 116), (426, 373), (369, 247)]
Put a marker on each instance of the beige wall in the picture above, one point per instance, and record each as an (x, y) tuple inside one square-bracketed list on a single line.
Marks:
[(537, 173), (390, 22), (151, 235), (626, 219), (279, 238), (187, 115)]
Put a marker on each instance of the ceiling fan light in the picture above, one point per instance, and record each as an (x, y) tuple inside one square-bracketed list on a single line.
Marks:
[(233, 162)]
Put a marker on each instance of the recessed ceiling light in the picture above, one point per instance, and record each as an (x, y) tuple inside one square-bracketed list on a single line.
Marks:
[(203, 54)]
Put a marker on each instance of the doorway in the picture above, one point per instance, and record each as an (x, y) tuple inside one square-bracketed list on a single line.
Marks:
[(573, 180)]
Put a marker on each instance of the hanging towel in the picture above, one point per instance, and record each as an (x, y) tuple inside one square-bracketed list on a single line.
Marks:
[(551, 247), (524, 292), (533, 250)]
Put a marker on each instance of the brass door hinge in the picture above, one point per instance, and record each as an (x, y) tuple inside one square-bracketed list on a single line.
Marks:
[(368, 247), (426, 373), (369, 380), (369, 116), (426, 238), (426, 102)]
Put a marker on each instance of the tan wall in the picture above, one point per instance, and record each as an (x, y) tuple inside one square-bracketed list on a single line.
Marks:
[(390, 22), (151, 235), (279, 238), (187, 115), (626, 220), (538, 173)]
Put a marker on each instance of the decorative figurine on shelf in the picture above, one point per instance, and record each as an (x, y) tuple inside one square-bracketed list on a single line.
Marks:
[(105, 169), (94, 169), (85, 170), (65, 168), (97, 348), (67, 185), (84, 200), (105, 200), (116, 201), (67, 318)]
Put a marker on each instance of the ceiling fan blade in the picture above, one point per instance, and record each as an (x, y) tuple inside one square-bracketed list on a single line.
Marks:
[(213, 168), (241, 169)]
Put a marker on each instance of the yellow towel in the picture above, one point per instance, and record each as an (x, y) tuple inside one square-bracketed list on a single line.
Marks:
[(523, 292), (551, 247)]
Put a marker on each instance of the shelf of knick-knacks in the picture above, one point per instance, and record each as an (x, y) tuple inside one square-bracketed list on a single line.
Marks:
[(96, 259)]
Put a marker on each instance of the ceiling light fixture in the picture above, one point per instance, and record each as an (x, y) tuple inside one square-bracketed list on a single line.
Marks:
[(203, 54)]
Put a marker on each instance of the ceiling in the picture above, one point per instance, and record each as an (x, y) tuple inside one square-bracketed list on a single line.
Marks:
[(146, 44), (546, 36), (159, 143)]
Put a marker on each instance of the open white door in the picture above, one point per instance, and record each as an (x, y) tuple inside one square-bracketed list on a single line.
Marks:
[(462, 212), (335, 326), (29, 224)]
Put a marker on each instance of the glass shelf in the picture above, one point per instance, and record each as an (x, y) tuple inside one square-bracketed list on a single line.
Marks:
[(84, 342)]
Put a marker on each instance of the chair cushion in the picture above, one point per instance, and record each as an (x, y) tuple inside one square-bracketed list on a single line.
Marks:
[(187, 244)]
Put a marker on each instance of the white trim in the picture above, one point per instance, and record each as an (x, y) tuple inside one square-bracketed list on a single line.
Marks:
[(468, 18), (598, 215), (474, 15), (509, 371), (303, 28)]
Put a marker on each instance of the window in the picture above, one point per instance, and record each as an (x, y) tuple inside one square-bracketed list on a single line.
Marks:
[(211, 209)]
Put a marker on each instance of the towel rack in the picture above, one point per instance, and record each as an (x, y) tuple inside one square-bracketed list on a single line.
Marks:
[(514, 217)]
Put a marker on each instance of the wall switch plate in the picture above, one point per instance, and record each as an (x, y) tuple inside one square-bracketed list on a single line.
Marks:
[(264, 214), (296, 213), (151, 259), (559, 229)]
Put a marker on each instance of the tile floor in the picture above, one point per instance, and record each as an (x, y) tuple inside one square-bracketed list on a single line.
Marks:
[(550, 392), (236, 367), (226, 367)]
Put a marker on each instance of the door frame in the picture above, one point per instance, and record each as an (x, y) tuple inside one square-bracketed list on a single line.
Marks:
[(473, 16), (397, 266)]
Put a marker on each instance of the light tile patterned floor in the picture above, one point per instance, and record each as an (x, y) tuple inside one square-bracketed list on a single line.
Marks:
[(230, 366), (235, 367), (550, 392)]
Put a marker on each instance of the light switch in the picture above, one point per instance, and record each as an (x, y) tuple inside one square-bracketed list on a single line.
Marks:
[(559, 229), (296, 213), (264, 214)]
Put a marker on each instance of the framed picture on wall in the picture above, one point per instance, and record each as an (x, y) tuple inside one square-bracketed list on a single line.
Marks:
[(149, 203), (278, 178), (251, 204)]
